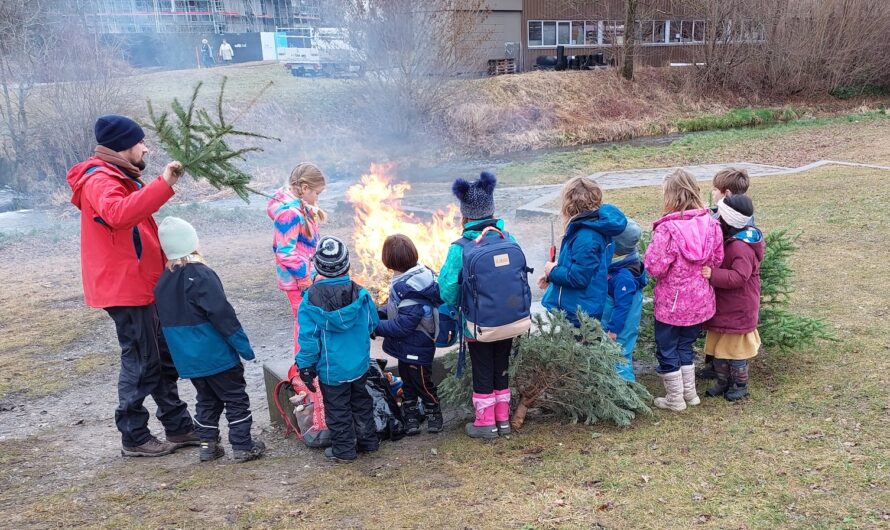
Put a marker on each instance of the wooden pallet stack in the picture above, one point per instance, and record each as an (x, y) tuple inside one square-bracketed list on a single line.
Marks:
[(501, 66)]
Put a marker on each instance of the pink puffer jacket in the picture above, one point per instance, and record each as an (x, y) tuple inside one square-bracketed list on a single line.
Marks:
[(683, 243)]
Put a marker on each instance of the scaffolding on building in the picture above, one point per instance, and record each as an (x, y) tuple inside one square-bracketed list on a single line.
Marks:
[(196, 16)]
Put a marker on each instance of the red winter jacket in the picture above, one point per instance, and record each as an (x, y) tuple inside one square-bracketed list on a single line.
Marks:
[(121, 256), (737, 287)]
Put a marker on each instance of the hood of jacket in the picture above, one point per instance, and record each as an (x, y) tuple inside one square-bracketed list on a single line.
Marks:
[(417, 283), (282, 198), (338, 317), (750, 234), (632, 264), (80, 173), (690, 230), (608, 220)]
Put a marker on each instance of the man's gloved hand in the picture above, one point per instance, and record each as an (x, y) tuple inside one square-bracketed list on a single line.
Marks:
[(307, 375)]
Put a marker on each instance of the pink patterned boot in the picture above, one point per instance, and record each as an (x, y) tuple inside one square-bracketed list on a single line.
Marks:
[(484, 426), (502, 411)]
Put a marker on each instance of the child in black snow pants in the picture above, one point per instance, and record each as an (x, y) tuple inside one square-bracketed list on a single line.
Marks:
[(206, 341), (408, 329)]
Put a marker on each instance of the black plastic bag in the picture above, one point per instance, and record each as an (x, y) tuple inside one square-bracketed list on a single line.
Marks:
[(387, 414)]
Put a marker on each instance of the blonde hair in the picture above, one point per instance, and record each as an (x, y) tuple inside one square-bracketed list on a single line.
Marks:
[(194, 257), (580, 194), (681, 192), (306, 173)]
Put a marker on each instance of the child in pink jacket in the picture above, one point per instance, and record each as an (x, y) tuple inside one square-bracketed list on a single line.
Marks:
[(295, 217), (686, 239)]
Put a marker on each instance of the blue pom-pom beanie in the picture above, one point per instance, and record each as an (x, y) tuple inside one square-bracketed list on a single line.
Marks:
[(118, 133), (476, 198)]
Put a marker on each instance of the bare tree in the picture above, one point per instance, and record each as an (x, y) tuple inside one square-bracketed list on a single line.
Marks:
[(24, 48), (630, 34), (412, 50)]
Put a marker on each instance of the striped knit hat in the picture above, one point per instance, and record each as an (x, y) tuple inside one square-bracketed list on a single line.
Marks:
[(331, 257)]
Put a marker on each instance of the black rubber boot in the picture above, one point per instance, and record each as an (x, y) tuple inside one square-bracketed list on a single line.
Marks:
[(739, 382), (210, 451), (721, 368), (434, 421), (412, 417)]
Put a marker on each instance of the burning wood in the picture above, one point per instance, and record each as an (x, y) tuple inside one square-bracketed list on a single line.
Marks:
[(379, 214)]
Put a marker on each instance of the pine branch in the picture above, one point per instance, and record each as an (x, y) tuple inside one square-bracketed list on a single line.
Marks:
[(201, 142)]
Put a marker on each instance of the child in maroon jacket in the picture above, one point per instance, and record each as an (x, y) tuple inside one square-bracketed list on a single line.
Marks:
[(732, 332)]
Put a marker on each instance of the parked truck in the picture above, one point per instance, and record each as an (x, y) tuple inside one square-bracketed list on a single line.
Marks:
[(308, 51)]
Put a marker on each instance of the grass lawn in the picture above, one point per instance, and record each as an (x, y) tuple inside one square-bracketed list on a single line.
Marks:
[(860, 137), (809, 449)]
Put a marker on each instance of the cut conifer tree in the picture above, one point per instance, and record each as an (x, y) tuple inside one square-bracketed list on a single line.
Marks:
[(567, 370), (201, 142)]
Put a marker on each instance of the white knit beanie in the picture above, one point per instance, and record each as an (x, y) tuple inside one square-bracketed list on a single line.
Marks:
[(178, 237)]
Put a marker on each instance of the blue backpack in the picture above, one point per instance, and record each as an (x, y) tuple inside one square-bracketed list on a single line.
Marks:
[(448, 326), (495, 299)]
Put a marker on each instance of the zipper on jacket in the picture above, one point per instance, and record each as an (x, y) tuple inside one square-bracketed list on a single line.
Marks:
[(676, 295)]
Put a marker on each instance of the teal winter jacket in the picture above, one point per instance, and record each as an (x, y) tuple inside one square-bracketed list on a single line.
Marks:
[(579, 280), (337, 317)]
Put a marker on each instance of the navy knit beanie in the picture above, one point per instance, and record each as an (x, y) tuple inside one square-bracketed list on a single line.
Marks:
[(118, 133), (476, 198), (331, 257)]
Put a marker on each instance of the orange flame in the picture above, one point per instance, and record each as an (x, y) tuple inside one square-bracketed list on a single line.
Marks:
[(378, 214)]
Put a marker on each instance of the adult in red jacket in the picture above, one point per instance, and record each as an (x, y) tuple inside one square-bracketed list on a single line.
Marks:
[(121, 261)]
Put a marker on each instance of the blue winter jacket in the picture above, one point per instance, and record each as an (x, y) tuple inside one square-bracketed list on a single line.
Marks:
[(202, 331), (409, 328), (627, 277), (579, 278), (337, 317)]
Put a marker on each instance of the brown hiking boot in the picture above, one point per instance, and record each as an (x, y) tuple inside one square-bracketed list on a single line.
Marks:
[(184, 440), (153, 447)]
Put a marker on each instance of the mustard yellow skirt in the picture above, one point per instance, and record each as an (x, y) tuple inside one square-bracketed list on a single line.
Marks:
[(732, 346)]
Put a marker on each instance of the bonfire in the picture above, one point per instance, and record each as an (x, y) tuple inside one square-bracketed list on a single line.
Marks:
[(377, 202)]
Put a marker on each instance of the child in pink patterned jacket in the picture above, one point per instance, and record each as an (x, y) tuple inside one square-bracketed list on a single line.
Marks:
[(686, 239), (296, 215)]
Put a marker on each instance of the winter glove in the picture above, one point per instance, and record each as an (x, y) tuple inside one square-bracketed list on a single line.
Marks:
[(307, 375)]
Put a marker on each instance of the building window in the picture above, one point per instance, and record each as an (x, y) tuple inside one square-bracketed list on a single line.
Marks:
[(549, 33), (613, 33), (577, 33), (659, 32), (676, 31), (563, 31), (592, 31), (535, 35), (698, 31)]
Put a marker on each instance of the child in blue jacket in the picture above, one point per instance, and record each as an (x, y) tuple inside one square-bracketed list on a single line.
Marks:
[(408, 328), (624, 305), (337, 317), (577, 280), (206, 341)]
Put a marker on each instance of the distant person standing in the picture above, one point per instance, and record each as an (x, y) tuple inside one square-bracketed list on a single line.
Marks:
[(206, 54), (121, 261), (226, 53)]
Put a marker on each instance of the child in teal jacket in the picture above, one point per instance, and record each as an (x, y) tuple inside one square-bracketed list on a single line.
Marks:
[(337, 317)]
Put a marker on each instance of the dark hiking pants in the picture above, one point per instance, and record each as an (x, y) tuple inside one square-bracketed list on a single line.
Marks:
[(417, 382), (146, 370), (349, 413), (224, 390)]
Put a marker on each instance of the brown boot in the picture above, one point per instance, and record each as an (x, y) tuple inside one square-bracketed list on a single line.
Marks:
[(184, 440), (153, 447)]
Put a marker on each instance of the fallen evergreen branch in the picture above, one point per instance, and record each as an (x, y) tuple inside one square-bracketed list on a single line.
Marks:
[(781, 329), (567, 370), (201, 142)]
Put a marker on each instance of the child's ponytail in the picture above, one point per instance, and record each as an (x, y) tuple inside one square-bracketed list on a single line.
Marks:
[(309, 174)]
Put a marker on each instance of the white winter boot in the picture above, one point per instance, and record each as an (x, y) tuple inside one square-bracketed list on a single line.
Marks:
[(689, 393), (673, 386)]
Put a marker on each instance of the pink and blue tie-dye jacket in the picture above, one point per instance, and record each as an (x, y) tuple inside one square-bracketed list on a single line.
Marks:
[(683, 243), (295, 238)]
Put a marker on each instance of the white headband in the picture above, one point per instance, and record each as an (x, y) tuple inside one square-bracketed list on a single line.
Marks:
[(732, 217)]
